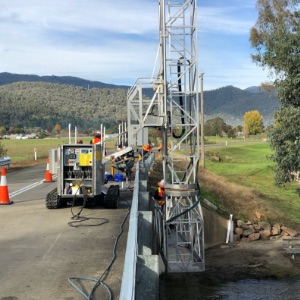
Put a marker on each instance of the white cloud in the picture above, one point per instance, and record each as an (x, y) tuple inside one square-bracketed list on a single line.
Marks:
[(222, 20), (116, 41), (69, 15)]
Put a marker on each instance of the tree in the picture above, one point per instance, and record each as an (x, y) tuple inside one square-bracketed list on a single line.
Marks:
[(2, 150), (215, 126), (232, 132), (2, 130), (49, 127), (57, 128), (253, 123), (276, 39)]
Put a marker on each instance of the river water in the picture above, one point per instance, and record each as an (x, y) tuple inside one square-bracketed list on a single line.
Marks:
[(249, 289), (257, 289)]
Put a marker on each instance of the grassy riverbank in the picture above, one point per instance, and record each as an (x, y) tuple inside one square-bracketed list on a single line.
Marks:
[(239, 179)]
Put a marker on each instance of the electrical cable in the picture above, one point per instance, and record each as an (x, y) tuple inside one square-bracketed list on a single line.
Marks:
[(100, 281), (185, 211), (78, 219), (81, 219), (180, 101), (74, 200)]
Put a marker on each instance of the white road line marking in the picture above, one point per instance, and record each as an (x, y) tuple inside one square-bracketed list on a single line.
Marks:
[(26, 188)]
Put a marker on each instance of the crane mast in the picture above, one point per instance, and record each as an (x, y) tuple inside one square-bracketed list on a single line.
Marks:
[(175, 110)]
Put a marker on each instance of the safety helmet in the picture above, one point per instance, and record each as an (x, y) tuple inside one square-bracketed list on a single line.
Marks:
[(97, 134), (161, 183)]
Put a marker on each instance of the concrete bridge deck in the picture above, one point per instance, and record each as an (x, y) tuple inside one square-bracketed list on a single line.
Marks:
[(40, 249)]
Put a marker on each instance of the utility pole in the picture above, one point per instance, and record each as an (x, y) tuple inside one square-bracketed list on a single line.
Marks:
[(202, 162)]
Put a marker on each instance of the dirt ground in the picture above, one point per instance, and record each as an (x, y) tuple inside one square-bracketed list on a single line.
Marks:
[(230, 263), (257, 260)]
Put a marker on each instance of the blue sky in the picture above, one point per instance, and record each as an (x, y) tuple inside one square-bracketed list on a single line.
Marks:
[(115, 41)]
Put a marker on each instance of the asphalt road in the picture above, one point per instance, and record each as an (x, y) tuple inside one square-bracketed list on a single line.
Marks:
[(27, 184), (40, 249)]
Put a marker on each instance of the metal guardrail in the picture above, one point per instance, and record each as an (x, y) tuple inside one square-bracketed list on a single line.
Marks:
[(149, 160), (129, 272), (128, 286), (5, 161)]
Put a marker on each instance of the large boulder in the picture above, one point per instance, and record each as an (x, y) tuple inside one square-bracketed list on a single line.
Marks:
[(238, 231), (264, 234), (265, 225), (289, 231), (248, 231), (254, 236)]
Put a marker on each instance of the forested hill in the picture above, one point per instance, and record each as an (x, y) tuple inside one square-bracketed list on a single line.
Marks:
[(7, 78), (28, 102), (231, 104), (41, 104)]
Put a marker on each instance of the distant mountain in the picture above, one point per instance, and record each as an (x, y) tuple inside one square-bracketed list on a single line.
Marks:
[(7, 78), (231, 103), (43, 104), (61, 94), (253, 89)]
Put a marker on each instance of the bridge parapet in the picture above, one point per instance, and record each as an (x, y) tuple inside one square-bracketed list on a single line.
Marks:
[(142, 268)]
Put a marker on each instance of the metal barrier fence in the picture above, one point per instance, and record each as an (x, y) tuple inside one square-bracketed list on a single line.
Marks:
[(5, 161), (128, 286), (129, 272)]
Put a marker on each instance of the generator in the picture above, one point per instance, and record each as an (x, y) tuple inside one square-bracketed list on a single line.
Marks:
[(80, 177)]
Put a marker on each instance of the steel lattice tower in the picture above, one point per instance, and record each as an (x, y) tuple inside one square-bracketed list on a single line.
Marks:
[(175, 109)]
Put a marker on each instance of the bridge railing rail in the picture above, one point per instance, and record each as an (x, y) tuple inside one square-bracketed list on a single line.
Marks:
[(128, 286), (5, 161), (129, 272)]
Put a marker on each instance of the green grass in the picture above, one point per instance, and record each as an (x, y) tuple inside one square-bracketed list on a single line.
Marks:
[(22, 151), (249, 165), (244, 162), (237, 140)]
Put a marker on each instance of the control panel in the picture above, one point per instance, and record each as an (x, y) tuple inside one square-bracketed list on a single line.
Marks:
[(82, 157), (81, 166)]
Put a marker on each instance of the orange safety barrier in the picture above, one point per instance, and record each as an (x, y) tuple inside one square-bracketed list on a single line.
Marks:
[(4, 195), (48, 175)]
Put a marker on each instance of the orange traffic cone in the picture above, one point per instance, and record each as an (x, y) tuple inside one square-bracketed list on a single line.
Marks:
[(4, 196), (48, 175)]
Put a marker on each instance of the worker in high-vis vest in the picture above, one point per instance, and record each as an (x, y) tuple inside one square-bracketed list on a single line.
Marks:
[(159, 195), (159, 147), (97, 138), (147, 149)]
